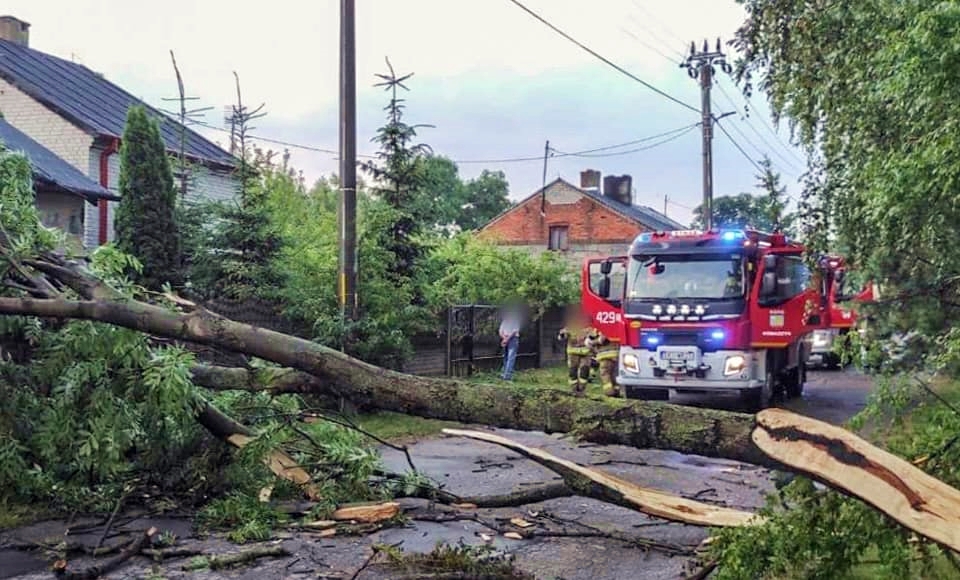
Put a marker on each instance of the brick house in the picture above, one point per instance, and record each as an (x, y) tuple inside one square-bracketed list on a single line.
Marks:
[(62, 191), (580, 221), (79, 116)]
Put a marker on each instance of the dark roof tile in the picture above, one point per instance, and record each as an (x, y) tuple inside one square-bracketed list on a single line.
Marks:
[(643, 214), (89, 100), (50, 170)]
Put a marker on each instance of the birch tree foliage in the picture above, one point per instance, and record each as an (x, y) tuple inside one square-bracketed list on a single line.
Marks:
[(869, 89)]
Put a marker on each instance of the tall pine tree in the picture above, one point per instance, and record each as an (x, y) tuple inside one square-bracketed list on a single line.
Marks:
[(145, 221), (399, 174)]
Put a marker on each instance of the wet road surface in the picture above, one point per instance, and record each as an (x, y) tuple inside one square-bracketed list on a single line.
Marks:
[(467, 467)]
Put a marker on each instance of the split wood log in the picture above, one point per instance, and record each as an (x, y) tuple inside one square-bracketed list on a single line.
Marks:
[(368, 513), (238, 435), (849, 464), (282, 465), (603, 486)]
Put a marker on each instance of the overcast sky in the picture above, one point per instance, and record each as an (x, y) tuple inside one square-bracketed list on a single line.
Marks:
[(494, 82)]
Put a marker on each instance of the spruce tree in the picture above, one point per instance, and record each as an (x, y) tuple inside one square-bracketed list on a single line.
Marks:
[(145, 221)]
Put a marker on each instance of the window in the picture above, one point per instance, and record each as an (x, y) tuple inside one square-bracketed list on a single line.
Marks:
[(793, 276), (558, 238), (75, 226), (697, 276), (618, 274)]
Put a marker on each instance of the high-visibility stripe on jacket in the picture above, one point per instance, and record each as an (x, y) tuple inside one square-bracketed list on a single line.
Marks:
[(577, 340), (606, 349)]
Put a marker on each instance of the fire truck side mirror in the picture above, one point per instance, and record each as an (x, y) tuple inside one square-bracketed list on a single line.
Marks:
[(768, 285), (606, 267), (604, 290), (769, 263)]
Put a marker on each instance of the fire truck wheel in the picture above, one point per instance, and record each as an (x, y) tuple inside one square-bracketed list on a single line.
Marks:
[(756, 400), (798, 376)]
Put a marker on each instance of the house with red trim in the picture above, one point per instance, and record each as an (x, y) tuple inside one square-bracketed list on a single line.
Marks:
[(578, 222), (78, 116)]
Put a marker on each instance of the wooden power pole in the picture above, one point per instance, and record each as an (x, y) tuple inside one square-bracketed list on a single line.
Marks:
[(347, 280), (700, 65)]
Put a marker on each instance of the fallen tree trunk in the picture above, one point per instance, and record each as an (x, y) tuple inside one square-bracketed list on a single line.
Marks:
[(645, 425), (605, 487), (848, 463)]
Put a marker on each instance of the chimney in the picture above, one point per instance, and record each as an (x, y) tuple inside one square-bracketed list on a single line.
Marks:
[(15, 30), (626, 189), (619, 188), (590, 180)]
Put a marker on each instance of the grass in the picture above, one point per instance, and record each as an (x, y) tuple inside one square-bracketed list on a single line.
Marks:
[(940, 569), (397, 427), (16, 515)]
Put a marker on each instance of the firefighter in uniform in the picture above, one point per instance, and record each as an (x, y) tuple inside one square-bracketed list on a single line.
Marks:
[(579, 338), (607, 355)]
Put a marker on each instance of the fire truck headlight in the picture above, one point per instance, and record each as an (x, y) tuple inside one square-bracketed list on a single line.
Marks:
[(657, 310), (733, 365), (685, 309), (821, 338), (631, 363), (699, 310), (672, 309)]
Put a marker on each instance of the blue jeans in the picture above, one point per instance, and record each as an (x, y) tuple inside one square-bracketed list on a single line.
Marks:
[(510, 357)]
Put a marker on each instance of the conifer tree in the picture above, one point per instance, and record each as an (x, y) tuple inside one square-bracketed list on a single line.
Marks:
[(145, 221)]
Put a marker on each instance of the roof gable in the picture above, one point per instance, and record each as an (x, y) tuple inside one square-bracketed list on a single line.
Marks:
[(643, 215), (91, 101), (50, 170)]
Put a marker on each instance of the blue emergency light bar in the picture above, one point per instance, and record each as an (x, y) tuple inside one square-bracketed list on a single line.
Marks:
[(725, 235)]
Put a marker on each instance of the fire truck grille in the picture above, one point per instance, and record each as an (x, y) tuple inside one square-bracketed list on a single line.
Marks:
[(680, 339)]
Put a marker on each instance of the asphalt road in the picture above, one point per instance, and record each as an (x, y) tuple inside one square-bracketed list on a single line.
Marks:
[(832, 396), (467, 467)]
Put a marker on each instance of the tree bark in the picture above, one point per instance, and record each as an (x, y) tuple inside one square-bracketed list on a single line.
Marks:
[(645, 425)]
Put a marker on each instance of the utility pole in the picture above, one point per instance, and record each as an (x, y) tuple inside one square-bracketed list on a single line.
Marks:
[(348, 163), (700, 65)]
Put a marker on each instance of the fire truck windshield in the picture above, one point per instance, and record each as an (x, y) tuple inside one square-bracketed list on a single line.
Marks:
[(699, 276)]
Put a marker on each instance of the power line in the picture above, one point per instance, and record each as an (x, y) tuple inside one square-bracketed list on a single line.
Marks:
[(674, 136), (650, 46), (662, 25), (744, 153), (584, 152), (737, 145), (603, 58), (746, 121), (653, 35)]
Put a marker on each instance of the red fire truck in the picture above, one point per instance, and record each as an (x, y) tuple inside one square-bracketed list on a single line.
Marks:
[(718, 311), (842, 318)]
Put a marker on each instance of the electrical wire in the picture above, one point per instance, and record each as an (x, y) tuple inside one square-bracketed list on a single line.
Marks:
[(723, 129), (666, 28), (744, 153), (674, 136), (554, 152), (746, 120), (639, 40), (603, 58)]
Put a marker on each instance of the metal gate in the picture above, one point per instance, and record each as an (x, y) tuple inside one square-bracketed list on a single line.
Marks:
[(473, 341)]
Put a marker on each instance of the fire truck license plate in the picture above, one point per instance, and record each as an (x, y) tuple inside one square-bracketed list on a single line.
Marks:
[(677, 355)]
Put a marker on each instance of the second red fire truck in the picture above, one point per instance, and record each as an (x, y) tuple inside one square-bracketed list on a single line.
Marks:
[(728, 310)]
